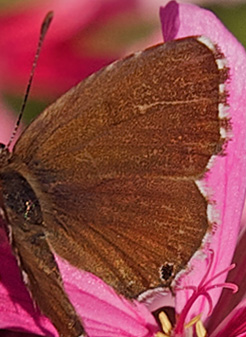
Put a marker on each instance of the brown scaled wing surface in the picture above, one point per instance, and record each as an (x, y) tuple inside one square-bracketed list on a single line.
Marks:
[(114, 161)]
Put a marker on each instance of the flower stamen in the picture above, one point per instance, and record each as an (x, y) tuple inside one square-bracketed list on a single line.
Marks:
[(165, 324), (231, 286), (202, 290), (232, 266), (200, 329), (193, 321)]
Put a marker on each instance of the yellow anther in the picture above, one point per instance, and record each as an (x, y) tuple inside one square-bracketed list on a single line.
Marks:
[(200, 330), (193, 321), (165, 323)]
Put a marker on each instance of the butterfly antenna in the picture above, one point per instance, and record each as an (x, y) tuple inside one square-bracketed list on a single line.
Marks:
[(44, 28)]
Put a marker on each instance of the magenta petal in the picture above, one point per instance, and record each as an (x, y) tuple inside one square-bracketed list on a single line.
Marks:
[(234, 324), (65, 59), (170, 20), (227, 302), (105, 313), (226, 180)]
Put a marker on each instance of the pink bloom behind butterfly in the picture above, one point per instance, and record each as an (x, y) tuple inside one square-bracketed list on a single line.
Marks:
[(70, 52)]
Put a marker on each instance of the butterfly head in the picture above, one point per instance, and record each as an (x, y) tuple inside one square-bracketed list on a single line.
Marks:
[(4, 154)]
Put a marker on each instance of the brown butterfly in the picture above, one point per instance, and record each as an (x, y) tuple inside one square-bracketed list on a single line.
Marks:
[(106, 176)]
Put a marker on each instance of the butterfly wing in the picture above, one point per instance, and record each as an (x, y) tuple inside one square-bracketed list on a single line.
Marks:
[(34, 254), (114, 163)]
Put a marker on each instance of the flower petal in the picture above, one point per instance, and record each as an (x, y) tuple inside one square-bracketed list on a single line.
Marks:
[(234, 325), (65, 58), (105, 313), (227, 302)]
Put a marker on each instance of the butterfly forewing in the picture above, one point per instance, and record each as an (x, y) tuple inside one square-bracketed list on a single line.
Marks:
[(114, 164)]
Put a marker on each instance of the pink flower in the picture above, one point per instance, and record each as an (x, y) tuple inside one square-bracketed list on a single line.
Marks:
[(7, 123), (70, 51), (106, 314)]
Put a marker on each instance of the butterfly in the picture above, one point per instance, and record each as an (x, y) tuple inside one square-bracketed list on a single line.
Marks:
[(106, 177)]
